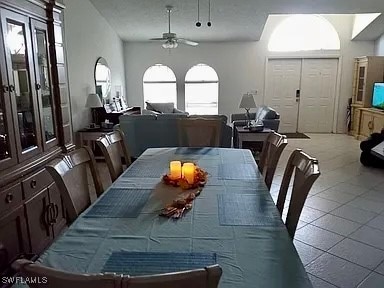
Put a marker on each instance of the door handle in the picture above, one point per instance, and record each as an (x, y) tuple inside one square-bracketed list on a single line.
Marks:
[(38, 86), (11, 88), (47, 216), (298, 95), (5, 88)]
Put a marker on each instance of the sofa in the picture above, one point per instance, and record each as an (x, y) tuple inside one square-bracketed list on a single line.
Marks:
[(161, 108), (155, 131), (269, 117)]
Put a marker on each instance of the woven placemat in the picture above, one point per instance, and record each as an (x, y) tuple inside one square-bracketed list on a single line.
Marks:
[(247, 210), (147, 170), (147, 263), (197, 151), (120, 203), (238, 171)]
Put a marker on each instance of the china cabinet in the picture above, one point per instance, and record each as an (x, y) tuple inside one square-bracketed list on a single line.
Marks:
[(35, 125)]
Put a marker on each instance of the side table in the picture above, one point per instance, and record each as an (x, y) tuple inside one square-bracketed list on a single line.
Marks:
[(89, 136), (248, 135)]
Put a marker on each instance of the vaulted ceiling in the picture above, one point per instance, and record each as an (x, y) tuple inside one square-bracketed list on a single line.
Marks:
[(232, 20)]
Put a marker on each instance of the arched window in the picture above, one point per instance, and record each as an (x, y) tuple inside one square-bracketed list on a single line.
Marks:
[(159, 85), (304, 33), (201, 90)]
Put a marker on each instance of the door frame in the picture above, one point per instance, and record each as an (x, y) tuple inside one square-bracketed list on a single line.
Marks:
[(336, 102)]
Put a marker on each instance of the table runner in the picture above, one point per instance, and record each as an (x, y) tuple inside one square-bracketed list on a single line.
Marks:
[(250, 256)]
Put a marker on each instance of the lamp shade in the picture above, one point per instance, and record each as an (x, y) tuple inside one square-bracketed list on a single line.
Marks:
[(247, 101), (93, 101)]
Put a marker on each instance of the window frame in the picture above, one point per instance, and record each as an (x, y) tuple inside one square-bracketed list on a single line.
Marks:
[(159, 82), (202, 82)]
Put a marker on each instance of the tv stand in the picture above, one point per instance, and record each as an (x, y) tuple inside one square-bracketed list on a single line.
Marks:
[(369, 120)]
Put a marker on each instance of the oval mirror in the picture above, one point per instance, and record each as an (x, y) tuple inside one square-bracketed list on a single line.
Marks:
[(103, 78)]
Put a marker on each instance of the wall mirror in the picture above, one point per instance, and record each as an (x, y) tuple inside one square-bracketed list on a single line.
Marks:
[(103, 79)]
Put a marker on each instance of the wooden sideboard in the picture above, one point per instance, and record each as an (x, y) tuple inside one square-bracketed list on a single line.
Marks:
[(371, 120), (35, 125)]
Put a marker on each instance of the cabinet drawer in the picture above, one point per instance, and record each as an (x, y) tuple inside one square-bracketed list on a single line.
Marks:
[(36, 183), (10, 198)]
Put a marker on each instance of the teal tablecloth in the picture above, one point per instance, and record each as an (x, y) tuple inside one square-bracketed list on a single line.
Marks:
[(251, 256)]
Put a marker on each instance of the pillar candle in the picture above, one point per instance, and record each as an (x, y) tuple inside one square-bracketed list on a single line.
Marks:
[(175, 170), (189, 172)]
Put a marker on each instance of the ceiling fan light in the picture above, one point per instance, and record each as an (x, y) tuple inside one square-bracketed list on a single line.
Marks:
[(170, 45)]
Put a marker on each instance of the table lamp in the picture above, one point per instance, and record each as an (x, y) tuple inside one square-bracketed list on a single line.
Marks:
[(247, 102), (94, 102)]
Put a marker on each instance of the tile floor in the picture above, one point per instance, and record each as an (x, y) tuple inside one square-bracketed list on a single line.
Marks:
[(340, 238)]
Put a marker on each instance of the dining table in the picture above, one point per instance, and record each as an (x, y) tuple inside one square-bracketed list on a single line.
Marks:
[(233, 222)]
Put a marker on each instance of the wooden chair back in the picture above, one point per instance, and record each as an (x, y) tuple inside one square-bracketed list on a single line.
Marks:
[(52, 278), (306, 171), (207, 277), (70, 172), (272, 148), (113, 148), (199, 132)]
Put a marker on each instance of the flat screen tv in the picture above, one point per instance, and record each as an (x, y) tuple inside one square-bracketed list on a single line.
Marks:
[(378, 96)]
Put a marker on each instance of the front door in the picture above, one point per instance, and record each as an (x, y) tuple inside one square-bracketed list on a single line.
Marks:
[(283, 82), (303, 92), (317, 97)]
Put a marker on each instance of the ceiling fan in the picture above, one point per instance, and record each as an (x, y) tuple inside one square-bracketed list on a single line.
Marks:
[(171, 40)]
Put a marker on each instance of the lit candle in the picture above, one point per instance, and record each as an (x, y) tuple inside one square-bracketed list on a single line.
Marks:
[(175, 170), (189, 172)]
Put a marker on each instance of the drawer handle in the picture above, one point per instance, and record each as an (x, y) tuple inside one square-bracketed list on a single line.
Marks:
[(33, 184), (9, 198)]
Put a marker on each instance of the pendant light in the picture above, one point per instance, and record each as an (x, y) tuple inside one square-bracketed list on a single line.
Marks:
[(198, 23)]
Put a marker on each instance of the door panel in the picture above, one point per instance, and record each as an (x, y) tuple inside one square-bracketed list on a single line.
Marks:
[(8, 154), (13, 237), (40, 231), (366, 124), (378, 123), (59, 220), (283, 80), (318, 90), (43, 84)]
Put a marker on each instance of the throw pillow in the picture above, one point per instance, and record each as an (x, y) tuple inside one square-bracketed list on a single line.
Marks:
[(150, 107), (163, 107)]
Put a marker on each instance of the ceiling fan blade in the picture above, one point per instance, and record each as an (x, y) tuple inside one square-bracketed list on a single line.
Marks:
[(158, 39), (187, 42)]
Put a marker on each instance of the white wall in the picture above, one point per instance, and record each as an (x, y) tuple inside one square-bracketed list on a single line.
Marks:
[(240, 65), (88, 37), (379, 46)]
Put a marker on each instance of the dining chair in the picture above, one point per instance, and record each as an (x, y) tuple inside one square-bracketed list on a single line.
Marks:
[(199, 132), (113, 148), (270, 154), (306, 171), (52, 278), (70, 173), (207, 277)]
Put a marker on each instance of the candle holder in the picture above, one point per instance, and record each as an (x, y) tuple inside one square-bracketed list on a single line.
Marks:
[(192, 176)]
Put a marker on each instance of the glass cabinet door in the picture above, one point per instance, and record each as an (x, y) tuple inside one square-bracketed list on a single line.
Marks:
[(23, 97), (43, 84), (8, 155)]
